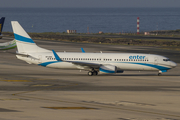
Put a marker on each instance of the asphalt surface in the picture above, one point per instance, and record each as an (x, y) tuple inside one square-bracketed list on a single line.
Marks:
[(34, 92)]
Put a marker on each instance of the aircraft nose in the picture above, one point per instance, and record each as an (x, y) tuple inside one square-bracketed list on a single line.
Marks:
[(173, 64)]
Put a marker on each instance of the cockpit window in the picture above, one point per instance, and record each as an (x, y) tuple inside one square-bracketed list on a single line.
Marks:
[(166, 60)]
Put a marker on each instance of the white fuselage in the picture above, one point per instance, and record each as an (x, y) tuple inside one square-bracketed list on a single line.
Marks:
[(123, 61)]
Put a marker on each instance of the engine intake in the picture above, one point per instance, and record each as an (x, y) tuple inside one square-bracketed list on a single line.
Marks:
[(108, 69)]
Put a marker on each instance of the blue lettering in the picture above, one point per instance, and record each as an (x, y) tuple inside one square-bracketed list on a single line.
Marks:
[(137, 57), (134, 57)]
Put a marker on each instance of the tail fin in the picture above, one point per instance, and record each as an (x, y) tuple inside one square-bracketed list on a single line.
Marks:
[(24, 42), (1, 24)]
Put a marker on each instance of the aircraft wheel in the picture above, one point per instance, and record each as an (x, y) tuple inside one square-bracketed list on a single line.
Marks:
[(159, 74), (90, 73)]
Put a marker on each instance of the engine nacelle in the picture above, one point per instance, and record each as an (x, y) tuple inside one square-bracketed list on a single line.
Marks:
[(108, 69)]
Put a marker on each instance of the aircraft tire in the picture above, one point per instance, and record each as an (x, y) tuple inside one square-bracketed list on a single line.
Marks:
[(159, 74), (90, 73)]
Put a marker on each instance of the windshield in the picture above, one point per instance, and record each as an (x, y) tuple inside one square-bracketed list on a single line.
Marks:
[(166, 60)]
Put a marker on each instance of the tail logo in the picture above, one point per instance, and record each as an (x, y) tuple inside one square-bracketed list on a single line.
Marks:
[(23, 39)]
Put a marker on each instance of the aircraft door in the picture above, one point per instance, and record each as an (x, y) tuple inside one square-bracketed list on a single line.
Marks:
[(156, 60), (40, 59)]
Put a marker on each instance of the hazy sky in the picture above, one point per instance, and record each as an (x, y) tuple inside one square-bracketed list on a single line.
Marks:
[(90, 3)]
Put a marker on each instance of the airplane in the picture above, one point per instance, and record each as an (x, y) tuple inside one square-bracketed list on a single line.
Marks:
[(94, 63), (1, 25), (6, 45)]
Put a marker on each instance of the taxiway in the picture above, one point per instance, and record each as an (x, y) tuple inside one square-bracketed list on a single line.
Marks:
[(34, 92)]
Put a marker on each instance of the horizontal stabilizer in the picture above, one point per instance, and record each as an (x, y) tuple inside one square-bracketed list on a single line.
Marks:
[(26, 55)]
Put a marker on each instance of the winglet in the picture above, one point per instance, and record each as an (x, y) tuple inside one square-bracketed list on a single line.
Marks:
[(82, 50), (56, 56)]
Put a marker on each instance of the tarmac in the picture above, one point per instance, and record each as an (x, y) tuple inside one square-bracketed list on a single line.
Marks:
[(33, 92)]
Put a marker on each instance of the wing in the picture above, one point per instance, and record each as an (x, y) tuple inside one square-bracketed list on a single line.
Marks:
[(83, 64), (90, 65)]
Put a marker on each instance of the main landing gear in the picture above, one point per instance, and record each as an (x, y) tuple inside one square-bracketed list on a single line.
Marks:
[(159, 74), (91, 73)]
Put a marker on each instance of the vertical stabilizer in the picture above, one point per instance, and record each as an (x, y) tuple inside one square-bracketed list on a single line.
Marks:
[(24, 42), (1, 24)]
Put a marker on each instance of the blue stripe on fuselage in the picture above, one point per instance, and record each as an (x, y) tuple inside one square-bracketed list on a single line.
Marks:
[(23, 39), (47, 63), (149, 65), (107, 71)]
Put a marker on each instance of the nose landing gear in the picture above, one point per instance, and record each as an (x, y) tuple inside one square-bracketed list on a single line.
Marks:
[(161, 71)]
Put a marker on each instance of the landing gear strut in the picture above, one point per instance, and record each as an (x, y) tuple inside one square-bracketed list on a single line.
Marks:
[(159, 74), (90, 73)]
